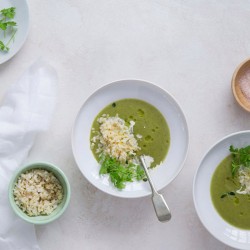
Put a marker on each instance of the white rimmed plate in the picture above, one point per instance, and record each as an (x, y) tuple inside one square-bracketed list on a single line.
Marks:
[(218, 227), (152, 94), (22, 20)]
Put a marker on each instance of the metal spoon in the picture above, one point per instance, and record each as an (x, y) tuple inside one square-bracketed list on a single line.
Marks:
[(161, 208)]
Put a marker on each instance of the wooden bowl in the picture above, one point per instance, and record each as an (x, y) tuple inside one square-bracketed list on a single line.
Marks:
[(241, 85)]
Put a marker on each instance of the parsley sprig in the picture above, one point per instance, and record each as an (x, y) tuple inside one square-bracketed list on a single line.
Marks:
[(7, 26), (240, 157), (121, 173)]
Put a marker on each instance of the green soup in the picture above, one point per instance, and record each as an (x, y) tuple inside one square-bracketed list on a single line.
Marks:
[(149, 123), (232, 207)]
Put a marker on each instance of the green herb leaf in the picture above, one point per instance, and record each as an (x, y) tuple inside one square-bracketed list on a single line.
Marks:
[(3, 47), (9, 12), (240, 157), (7, 26), (140, 174), (11, 24), (3, 25), (120, 173)]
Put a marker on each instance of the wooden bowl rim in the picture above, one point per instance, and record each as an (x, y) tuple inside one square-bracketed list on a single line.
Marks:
[(242, 101)]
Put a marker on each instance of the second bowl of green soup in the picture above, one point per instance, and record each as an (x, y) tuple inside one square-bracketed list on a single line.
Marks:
[(221, 190), (118, 123)]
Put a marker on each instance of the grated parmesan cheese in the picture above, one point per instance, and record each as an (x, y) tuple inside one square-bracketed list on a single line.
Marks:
[(38, 192), (148, 160), (138, 136), (244, 179), (115, 138)]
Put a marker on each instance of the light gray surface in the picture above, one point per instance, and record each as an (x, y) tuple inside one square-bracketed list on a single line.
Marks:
[(190, 48)]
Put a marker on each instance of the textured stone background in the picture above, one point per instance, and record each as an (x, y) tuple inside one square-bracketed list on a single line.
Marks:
[(190, 48)]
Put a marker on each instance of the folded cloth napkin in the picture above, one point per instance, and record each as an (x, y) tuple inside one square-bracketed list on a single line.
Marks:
[(26, 110)]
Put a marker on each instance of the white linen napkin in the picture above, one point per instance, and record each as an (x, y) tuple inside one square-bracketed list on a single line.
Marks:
[(26, 110)]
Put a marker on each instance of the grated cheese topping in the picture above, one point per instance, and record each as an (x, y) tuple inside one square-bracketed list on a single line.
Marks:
[(148, 160), (116, 138), (244, 179), (38, 192)]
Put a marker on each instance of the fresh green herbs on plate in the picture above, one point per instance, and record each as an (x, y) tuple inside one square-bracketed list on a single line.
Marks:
[(8, 27)]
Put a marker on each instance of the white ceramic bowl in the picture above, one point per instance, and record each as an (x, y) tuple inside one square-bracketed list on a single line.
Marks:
[(219, 228), (22, 20), (152, 94)]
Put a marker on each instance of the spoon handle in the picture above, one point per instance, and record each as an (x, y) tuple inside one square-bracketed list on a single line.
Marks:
[(161, 208)]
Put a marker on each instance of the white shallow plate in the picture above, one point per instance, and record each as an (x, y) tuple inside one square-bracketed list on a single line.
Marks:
[(22, 20), (150, 93), (219, 228)]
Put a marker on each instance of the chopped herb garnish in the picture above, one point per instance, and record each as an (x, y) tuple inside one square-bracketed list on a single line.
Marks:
[(240, 157), (120, 173)]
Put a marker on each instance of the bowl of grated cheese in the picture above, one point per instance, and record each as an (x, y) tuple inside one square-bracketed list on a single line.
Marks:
[(39, 193)]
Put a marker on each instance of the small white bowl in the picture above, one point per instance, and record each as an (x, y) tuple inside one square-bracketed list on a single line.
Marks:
[(164, 102), (213, 222)]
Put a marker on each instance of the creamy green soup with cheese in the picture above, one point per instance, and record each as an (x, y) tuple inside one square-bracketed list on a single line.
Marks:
[(150, 127), (232, 206)]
